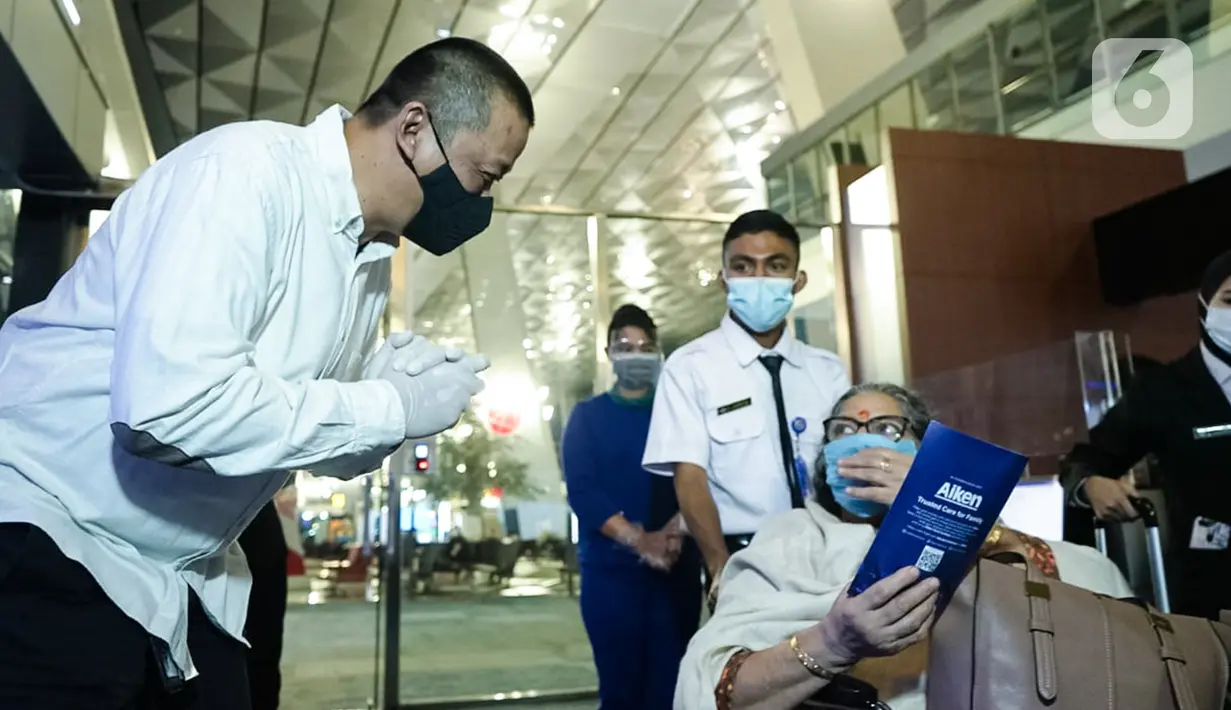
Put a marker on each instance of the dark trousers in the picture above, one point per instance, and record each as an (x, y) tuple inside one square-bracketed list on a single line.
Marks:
[(65, 646), (264, 545), (639, 622)]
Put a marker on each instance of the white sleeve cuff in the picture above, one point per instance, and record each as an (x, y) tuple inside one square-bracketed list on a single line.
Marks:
[(380, 416), (665, 465)]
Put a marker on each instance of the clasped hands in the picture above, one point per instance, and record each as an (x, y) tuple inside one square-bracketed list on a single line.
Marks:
[(661, 549), (435, 384)]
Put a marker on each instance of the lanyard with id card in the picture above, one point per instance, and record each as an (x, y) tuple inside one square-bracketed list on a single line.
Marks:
[(1210, 534), (798, 426)]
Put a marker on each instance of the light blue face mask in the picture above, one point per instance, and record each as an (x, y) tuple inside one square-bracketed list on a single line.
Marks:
[(760, 302), (839, 449)]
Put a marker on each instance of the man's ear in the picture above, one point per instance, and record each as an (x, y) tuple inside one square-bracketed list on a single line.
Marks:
[(411, 122), (801, 280), (722, 279)]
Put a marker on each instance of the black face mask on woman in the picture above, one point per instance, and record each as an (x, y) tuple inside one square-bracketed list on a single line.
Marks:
[(450, 216)]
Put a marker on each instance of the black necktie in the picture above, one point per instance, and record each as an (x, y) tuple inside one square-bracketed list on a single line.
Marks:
[(773, 363)]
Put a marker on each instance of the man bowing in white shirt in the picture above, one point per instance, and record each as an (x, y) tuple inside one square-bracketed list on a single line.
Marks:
[(216, 334)]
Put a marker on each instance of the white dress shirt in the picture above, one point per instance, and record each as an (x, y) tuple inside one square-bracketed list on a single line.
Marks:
[(206, 343), (1219, 370), (714, 408)]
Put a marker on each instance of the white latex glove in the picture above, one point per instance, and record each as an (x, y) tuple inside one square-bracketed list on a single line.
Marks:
[(415, 354), (433, 400), (409, 353)]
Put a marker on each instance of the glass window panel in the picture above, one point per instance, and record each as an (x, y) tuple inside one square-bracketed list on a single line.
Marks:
[(934, 109), (1141, 19), (814, 315), (807, 181), (1198, 17), (10, 203), (825, 181), (334, 530), (778, 189), (897, 110), (1071, 25), (1026, 76), (670, 269), (863, 138), (834, 148), (497, 597), (976, 90)]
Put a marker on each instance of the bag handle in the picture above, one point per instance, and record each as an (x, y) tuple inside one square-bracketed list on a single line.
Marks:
[(1042, 628), (1043, 639), (1173, 659)]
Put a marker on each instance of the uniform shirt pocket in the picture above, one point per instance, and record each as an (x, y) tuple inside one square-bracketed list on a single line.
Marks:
[(736, 418)]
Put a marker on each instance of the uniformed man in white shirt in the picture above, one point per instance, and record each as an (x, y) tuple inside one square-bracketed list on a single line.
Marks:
[(216, 334), (738, 412)]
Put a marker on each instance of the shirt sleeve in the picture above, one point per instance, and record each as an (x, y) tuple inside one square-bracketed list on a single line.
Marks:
[(197, 242), (1126, 434), (677, 425), (582, 478)]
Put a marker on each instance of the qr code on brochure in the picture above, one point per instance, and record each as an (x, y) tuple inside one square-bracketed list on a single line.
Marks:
[(929, 559)]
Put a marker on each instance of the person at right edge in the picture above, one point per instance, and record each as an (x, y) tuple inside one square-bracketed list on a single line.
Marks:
[(1181, 413), (738, 414)]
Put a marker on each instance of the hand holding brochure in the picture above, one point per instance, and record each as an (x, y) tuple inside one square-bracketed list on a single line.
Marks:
[(951, 498)]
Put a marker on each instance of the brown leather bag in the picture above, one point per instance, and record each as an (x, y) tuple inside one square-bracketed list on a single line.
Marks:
[(1012, 639)]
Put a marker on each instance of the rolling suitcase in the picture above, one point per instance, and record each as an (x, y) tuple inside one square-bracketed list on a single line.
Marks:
[(1154, 546)]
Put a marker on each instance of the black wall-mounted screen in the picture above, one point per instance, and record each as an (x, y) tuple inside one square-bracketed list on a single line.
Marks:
[(1160, 247)]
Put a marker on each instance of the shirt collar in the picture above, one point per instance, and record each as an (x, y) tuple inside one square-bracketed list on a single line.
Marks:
[(333, 156), (748, 350), (1219, 370)]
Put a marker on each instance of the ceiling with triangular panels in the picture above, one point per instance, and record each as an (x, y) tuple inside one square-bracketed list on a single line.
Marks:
[(665, 106), (644, 105)]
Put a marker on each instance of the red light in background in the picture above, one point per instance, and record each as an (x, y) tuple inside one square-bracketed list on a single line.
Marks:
[(421, 464), (503, 423)]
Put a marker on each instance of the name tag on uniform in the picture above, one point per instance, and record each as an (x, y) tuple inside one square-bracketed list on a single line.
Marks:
[(734, 406), (1211, 432), (1210, 535)]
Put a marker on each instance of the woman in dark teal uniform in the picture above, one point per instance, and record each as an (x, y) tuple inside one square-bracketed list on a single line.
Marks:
[(640, 576)]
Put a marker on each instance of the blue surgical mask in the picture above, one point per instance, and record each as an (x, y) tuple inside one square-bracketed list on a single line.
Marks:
[(839, 449), (636, 371), (760, 302)]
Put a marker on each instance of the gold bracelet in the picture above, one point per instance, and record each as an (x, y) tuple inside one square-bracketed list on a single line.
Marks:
[(993, 537), (809, 663)]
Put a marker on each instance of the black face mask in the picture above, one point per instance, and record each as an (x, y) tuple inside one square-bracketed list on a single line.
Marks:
[(450, 216)]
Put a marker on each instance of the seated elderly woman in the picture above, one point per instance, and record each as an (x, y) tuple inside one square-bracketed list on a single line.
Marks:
[(784, 625)]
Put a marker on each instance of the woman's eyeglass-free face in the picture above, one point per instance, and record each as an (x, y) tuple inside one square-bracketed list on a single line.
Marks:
[(890, 427)]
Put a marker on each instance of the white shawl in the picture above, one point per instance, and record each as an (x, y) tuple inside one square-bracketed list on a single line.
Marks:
[(790, 576)]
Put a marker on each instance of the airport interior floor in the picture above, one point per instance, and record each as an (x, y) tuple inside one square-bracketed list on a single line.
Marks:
[(451, 646)]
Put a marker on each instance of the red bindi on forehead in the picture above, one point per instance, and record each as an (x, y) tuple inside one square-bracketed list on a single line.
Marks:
[(863, 415)]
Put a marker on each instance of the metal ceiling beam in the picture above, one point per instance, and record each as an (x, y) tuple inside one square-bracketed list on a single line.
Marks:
[(149, 91), (380, 49), (256, 65), (310, 89)]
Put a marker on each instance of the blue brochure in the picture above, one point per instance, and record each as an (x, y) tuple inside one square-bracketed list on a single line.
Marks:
[(951, 498)]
